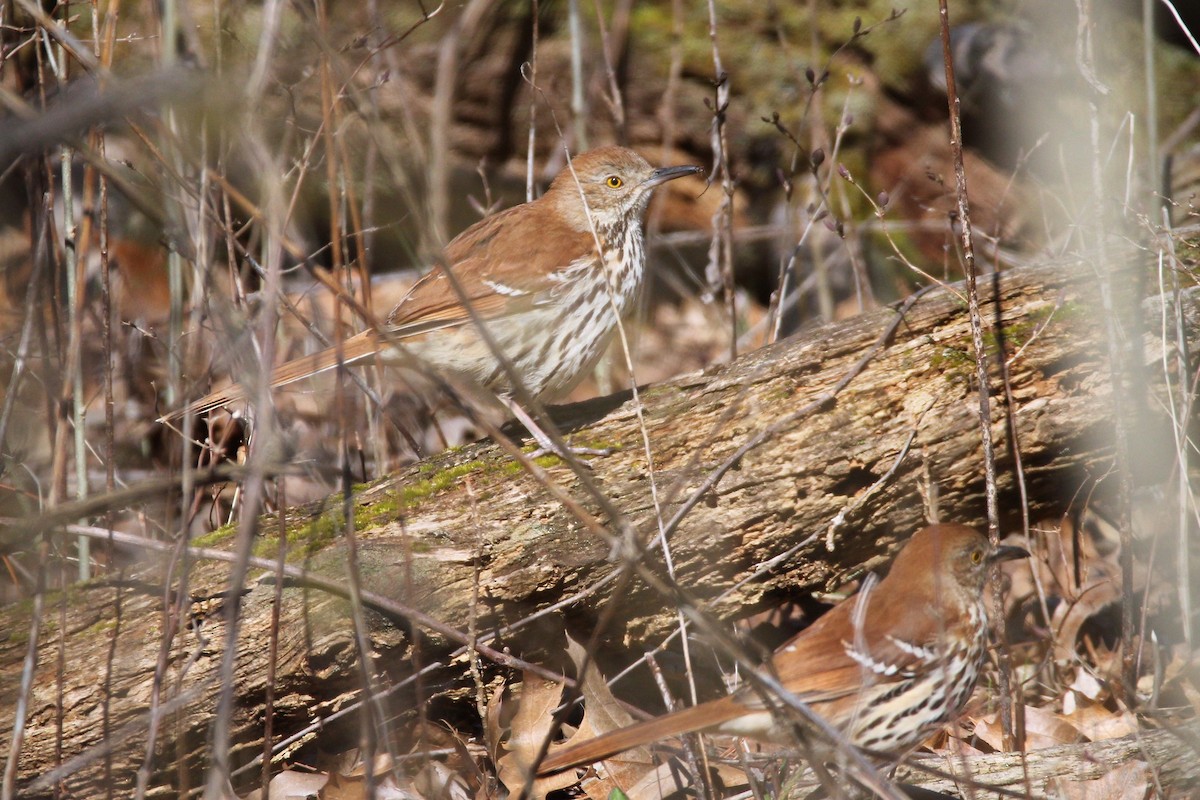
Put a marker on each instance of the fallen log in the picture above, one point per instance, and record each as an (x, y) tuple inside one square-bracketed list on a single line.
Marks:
[(788, 470)]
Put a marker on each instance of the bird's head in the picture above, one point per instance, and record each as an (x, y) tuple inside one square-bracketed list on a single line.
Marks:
[(611, 184), (957, 552)]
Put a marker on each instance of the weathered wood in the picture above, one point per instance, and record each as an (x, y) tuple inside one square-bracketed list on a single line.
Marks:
[(469, 524), (1171, 754)]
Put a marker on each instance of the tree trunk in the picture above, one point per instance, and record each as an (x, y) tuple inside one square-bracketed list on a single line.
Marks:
[(869, 422)]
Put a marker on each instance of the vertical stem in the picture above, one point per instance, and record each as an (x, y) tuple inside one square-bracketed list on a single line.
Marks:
[(1148, 42), (666, 111), (273, 645), (578, 97), (74, 366), (174, 260), (1181, 413), (103, 45), (720, 265), (981, 363), (441, 117), (109, 423), (75, 363), (104, 54), (262, 453), (612, 50), (533, 65)]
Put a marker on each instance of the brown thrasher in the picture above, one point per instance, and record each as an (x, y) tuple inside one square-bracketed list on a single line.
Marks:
[(886, 668), (547, 278)]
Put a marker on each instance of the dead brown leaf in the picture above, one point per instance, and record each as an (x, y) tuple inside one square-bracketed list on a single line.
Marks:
[(1129, 781), (1097, 722), (604, 712), (528, 730), (292, 784), (354, 787), (634, 772), (1042, 729)]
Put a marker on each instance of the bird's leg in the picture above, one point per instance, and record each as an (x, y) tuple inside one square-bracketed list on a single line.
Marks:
[(546, 445)]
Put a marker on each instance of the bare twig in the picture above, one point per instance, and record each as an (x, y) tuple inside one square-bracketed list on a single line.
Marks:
[(719, 271), (981, 356)]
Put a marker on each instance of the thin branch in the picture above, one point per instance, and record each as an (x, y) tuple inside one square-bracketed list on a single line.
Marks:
[(981, 356)]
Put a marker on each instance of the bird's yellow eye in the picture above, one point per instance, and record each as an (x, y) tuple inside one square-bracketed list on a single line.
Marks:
[(614, 182), (976, 556)]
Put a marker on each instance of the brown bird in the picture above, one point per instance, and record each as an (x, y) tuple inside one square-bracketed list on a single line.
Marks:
[(548, 279), (886, 668)]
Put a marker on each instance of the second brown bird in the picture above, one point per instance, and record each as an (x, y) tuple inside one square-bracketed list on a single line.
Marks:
[(886, 668)]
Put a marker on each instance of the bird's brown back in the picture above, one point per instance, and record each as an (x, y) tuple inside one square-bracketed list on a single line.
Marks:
[(490, 261)]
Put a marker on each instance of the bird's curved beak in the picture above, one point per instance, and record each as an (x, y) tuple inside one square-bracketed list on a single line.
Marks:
[(1007, 552), (669, 174)]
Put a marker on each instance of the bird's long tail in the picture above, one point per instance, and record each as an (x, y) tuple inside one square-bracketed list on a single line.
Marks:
[(688, 720), (355, 349)]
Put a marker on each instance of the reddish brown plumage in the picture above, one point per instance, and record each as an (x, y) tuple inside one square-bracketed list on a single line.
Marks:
[(546, 277), (886, 667)]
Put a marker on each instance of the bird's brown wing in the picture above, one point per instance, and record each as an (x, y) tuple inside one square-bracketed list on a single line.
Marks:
[(826, 661), (491, 261), (501, 264)]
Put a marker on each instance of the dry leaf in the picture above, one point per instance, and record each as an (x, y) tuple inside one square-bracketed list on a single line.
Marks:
[(358, 768), (603, 713), (1129, 781), (1045, 728), (528, 730), (436, 780), (1086, 684), (634, 772), (493, 724), (387, 786), (1042, 729), (1188, 687), (1071, 616), (294, 785), (653, 784), (353, 787), (1097, 722)]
